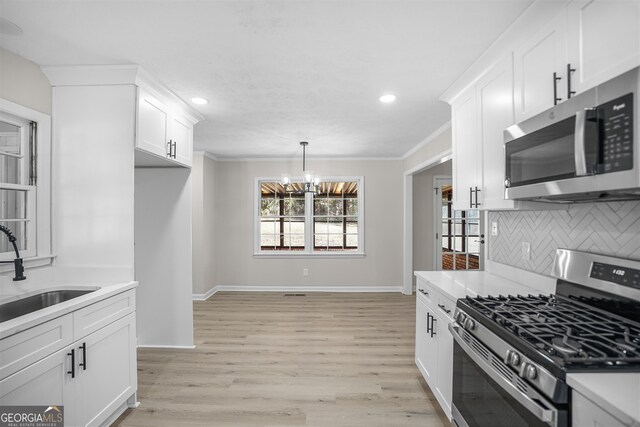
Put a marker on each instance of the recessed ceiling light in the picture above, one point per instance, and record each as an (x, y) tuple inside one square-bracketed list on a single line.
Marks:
[(387, 99), (199, 101)]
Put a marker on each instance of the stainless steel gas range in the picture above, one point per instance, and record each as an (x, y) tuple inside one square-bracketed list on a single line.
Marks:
[(512, 353)]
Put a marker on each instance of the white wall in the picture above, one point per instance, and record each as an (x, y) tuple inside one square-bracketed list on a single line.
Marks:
[(235, 264), (204, 237), (22, 82), (163, 256), (423, 216)]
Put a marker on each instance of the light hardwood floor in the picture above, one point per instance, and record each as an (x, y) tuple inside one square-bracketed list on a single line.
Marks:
[(266, 359)]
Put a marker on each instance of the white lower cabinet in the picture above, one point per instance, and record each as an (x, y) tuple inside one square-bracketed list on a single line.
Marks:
[(46, 382), (585, 413), (93, 378), (434, 343)]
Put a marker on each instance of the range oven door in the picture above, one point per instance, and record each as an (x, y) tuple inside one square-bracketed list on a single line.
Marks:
[(483, 396)]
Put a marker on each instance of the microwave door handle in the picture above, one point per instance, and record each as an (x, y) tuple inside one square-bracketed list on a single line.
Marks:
[(538, 407), (579, 143)]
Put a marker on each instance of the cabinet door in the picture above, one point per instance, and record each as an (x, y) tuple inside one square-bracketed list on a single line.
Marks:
[(426, 352), (152, 124), (43, 383), (108, 377), (586, 413), (444, 389), (604, 40), (467, 158), (182, 135), (494, 94), (534, 64)]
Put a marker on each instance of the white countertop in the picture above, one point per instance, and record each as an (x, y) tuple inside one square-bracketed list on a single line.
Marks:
[(616, 393), (102, 291), (459, 284)]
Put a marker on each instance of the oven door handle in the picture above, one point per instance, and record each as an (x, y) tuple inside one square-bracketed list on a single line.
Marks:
[(540, 410), (579, 149)]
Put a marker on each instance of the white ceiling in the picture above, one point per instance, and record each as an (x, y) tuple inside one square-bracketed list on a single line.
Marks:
[(278, 72)]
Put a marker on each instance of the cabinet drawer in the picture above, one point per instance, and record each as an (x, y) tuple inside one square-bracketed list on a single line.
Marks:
[(427, 292), (445, 306), (91, 318), (27, 347)]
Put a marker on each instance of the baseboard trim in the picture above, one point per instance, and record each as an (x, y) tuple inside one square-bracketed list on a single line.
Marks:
[(177, 347), (206, 295), (364, 289)]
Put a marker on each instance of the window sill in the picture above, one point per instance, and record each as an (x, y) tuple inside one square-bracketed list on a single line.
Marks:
[(310, 255)]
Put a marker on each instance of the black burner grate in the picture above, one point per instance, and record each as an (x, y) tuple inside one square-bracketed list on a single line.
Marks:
[(568, 332)]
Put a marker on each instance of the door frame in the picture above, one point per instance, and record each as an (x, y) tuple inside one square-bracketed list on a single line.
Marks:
[(407, 283), (438, 180)]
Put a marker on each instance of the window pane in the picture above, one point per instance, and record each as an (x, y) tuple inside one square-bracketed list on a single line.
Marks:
[(334, 207), (352, 207), (458, 244), (18, 229), (445, 228), (352, 240), (473, 214), (10, 161), (474, 262), (352, 227), (474, 245), (269, 207), (294, 240), (320, 206), (335, 240), (445, 211), (294, 207), (457, 229), (297, 225), (13, 204), (321, 240), (447, 261), (473, 229)]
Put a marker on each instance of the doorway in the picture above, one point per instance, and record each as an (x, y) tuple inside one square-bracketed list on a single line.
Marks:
[(459, 238)]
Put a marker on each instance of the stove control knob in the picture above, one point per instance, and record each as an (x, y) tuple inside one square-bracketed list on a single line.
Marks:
[(469, 324), (514, 360), (461, 317), (531, 372)]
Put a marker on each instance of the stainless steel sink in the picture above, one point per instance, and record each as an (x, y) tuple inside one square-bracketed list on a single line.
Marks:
[(23, 306)]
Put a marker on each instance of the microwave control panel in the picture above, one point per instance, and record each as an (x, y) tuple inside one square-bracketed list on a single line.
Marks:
[(616, 127)]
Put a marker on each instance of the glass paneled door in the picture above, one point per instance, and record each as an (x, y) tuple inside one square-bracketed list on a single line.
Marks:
[(459, 234)]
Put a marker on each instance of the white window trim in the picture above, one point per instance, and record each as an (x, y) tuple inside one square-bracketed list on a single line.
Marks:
[(309, 251), (41, 253)]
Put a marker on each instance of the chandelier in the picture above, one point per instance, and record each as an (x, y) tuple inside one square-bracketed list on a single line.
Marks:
[(310, 184)]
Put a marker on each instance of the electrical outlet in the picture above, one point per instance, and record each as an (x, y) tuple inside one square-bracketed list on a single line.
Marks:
[(494, 228), (526, 251), (305, 271)]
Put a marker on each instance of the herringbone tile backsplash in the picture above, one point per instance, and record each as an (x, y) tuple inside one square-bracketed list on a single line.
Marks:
[(605, 228)]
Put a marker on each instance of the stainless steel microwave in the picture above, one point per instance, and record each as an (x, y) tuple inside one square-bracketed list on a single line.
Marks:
[(585, 149)]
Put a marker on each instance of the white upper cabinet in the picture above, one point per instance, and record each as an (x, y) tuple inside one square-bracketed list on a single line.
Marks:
[(182, 139), (603, 40), (467, 157), (494, 93), (540, 69), (152, 124), (164, 130)]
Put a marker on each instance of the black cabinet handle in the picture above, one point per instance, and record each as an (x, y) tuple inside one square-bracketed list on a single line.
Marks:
[(84, 356), (428, 319), (423, 292), (555, 89), (174, 149), (470, 197), (169, 148), (433, 330), (73, 363), (570, 92), (444, 308), (476, 191)]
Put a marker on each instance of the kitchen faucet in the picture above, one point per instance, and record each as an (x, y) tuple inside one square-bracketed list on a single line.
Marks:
[(17, 263)]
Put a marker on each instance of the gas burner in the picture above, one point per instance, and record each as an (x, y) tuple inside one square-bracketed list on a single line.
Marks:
[(566, 346)]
